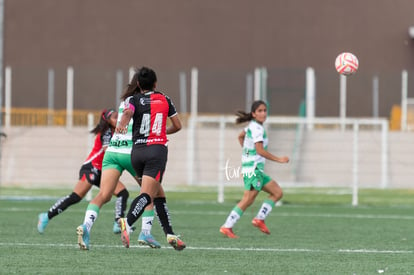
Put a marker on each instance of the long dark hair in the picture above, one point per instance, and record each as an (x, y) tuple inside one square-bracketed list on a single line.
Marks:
[(242, 116), (103, 124), (146, 79), (132, 88)]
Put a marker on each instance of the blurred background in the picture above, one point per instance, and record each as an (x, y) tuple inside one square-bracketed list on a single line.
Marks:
[(65, 60)]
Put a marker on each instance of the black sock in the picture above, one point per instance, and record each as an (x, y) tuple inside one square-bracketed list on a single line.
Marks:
[(121, 204), (63, 203), (137, 208), (160, 207)]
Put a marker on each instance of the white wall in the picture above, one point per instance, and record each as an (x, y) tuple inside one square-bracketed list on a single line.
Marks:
[(52, 156)]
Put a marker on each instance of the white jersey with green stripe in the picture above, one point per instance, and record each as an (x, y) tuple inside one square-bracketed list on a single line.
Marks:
[(255, 132), (121, 143)]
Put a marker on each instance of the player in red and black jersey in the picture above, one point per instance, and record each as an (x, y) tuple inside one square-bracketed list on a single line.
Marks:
[(150, 110), (90, 173)]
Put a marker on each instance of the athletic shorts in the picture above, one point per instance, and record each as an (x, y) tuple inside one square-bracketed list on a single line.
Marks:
[(119, 162), (91, 174), (256, 180), (150, 160)]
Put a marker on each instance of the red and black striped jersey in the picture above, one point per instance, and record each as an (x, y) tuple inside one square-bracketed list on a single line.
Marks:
[(97, 153), (150, 117)]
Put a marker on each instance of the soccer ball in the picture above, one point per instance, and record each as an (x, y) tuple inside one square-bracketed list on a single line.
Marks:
[(346, 63)]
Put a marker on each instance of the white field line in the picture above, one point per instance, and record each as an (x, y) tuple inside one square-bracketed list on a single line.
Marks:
[(298, 214), (247, 249), (276, 213)]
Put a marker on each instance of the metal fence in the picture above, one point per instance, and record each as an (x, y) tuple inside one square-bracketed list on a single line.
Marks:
[(368, 94)]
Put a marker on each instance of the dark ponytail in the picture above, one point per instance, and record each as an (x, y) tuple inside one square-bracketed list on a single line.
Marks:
[(132, 88), (242, 116)]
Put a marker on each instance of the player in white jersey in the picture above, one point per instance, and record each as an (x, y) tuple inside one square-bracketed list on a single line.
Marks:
[(117, 159), (254, 141)]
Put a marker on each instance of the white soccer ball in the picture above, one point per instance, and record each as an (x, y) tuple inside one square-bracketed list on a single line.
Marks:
[(346, 63)]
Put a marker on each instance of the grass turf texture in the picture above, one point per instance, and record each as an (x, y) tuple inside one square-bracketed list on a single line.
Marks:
[(315, 231)]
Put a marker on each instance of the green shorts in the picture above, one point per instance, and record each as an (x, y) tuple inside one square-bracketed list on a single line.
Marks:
[(256, 180), (119, 162)]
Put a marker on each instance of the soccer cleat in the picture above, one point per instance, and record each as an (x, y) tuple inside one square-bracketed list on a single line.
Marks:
[(83, 237), (116, 229), (261, 225), (176, 242), (149, 240), (42, 222), (125, 230), (228, 232)]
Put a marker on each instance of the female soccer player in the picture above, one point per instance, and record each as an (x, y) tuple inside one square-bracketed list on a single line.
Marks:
[(90, 174), (254, 141), (149, 110), (117, 159)]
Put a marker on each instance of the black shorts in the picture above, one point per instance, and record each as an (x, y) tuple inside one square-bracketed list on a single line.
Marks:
[(149, 160), (91, 174)]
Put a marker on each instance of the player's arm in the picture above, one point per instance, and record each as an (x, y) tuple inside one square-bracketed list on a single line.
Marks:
[(122, 126), (267, 155), (175, 125), (241, 137)]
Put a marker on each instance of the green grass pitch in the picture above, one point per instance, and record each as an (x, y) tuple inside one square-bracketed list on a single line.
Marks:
[(315, 231)]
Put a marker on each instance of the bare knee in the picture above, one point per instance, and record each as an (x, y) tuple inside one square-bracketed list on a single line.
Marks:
[(280, 194), (106, 198), (101, 198), (277, 195)]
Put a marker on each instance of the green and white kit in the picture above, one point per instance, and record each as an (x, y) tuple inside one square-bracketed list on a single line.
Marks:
[(252, 162), (118, 154)]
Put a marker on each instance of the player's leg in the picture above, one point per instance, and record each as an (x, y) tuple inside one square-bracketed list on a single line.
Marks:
[(275, 193), (79, 192), (149, 189), (150, 162), (248, 198), (145, 237), (164, 218), (235, 214), (163, 214), (107, 186), (122, 195)]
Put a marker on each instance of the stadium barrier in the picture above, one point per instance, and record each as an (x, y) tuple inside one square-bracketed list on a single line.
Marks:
[(324, 152), (45, 117)]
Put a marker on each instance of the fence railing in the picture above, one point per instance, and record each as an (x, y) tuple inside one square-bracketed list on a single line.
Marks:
[(45, 117)]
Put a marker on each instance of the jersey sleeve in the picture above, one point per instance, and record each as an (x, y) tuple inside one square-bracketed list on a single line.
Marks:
[(106, 138), (257, 133), (130, 102), (171, 107)]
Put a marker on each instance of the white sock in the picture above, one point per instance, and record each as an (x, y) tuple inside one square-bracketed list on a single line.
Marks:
[(90, 218), (231, 219), (264, 211), (147, 225), (147, 219)]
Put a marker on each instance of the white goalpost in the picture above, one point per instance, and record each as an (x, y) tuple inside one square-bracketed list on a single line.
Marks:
[(338, 152), (325, 152)]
